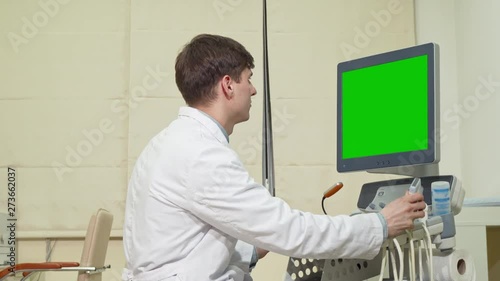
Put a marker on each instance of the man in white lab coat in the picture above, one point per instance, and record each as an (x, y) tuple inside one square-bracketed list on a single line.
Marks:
[(194, 213)]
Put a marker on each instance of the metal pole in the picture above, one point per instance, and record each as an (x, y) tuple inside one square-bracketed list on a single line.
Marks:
[(267, 128)]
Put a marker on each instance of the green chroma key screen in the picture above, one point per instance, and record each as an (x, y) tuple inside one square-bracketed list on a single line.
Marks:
[(384, 108)]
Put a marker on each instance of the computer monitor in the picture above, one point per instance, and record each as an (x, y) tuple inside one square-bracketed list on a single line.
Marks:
[(388, 110)]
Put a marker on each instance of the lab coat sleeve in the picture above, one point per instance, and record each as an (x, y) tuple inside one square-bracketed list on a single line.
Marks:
[(224, 195)]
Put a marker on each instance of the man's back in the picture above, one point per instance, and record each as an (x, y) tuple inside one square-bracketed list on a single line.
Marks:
[(161, 236)]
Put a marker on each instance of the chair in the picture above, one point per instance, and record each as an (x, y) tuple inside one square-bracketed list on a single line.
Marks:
[(93, 256)]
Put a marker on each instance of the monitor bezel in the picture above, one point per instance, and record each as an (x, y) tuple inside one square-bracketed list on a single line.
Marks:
[(402, 159)]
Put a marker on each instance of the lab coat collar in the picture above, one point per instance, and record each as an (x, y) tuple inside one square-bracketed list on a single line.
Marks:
[(207, 121)]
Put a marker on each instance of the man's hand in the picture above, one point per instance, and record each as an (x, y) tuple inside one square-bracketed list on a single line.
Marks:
[(401, 212), (261, 252)]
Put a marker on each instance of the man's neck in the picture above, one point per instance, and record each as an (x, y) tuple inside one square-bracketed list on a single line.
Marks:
[(215, 114)]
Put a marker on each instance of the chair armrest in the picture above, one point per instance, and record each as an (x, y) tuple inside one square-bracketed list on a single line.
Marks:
[(61, 265), (36, 266)]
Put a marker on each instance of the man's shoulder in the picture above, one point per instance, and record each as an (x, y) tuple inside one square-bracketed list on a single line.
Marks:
[(184, 137)]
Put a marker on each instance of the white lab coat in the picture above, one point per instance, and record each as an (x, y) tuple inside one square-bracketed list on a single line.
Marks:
[(190, 201)]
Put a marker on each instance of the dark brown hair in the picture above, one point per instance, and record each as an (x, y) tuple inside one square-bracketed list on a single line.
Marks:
[(205, 60)]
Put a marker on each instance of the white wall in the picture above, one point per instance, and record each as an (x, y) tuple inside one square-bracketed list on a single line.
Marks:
[(478, 43), (63, 64), (469, 40), (76, 111), (467, 32)]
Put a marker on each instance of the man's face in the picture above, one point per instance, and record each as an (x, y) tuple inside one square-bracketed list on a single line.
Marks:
[(243, 91)]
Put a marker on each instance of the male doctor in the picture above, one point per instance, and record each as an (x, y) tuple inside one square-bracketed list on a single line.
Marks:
[(194, 213)]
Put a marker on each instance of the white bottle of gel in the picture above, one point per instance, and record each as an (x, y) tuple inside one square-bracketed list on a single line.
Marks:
[(440, 198)]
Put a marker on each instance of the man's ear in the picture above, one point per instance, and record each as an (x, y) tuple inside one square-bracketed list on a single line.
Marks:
[(227, 86)]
